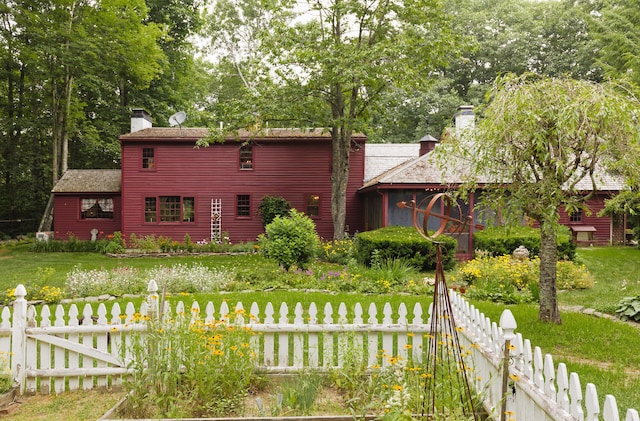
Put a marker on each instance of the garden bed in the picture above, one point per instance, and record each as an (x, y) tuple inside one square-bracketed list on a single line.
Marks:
[(265, 405)]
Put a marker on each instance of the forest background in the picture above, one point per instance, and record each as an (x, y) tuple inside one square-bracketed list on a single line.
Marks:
[(72, 70)]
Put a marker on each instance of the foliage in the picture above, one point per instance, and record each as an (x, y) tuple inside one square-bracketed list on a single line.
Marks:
[(501, 279), (511, 281), (338, 251), (395, 387), (115, 244), (615, 30), (498, 241), (629, 309), (127, 280), (300, 393), (272, 206), (291, 240), (404, 243), (6, 376), (39, 288), (208, 365)]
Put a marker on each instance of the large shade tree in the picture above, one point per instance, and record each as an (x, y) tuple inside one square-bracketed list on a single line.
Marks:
[(336, 58), (540, 140)]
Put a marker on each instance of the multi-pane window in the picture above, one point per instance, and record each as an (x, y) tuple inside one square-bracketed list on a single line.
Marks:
[(170, 209), (150, 209), (246, 157), (148, 157), (243, 205), (101, 208), (313, 205), (575, 217)]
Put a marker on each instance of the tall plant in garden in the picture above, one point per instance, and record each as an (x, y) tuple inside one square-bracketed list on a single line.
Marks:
[(541, 143), (184, 367)]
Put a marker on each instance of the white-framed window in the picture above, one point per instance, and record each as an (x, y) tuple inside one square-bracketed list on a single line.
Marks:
[(96, 208)]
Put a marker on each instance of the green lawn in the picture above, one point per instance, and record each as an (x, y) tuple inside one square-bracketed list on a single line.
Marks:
[(617, 275)]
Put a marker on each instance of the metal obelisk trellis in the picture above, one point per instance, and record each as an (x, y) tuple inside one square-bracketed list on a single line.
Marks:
[(446, 381)]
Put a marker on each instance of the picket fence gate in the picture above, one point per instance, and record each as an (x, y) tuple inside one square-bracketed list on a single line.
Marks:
[(55, 352)]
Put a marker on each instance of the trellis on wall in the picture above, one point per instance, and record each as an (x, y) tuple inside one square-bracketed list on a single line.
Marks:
[(216, 219)]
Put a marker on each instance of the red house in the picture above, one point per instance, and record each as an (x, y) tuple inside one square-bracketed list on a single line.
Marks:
[(420, 177), (169, 187)]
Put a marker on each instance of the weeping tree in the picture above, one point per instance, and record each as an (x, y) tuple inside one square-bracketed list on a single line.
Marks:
[(543, 144)]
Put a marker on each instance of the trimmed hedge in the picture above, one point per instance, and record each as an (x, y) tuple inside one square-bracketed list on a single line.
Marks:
[(403, 243), (498, 241)]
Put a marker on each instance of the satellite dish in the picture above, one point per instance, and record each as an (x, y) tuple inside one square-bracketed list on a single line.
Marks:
[(177, 119)]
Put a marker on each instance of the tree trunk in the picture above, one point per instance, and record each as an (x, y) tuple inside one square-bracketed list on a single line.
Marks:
[(341, 142), (548, 259)]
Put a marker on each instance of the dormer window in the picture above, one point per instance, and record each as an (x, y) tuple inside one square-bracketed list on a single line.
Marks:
[(246, 157)]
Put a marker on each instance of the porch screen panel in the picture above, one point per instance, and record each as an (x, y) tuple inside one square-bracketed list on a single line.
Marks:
[(396, 215)]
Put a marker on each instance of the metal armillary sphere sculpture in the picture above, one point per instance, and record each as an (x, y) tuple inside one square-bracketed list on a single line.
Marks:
[(446, 381)]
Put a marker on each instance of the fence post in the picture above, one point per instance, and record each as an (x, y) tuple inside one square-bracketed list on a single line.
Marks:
[(19, 337), (508, 325), (153, 301)]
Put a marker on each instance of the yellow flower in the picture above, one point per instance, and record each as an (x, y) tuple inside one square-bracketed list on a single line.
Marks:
[(514, 377)]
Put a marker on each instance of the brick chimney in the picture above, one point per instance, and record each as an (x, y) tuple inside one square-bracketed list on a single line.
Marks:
[(140, 120), (427, 144)]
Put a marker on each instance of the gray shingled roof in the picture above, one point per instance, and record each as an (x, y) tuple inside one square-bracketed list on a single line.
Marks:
[(380, 157), (89, 181), (423, 170)]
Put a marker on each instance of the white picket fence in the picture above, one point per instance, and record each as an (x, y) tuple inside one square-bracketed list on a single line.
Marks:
[(69, 350)]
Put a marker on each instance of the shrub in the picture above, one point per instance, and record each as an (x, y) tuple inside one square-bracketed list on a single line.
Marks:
[(509, 280), (501, 279), (403, 243), (498, 241), (290, 241), (272, 206)]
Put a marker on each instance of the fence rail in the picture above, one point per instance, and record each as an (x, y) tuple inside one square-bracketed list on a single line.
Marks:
[(73, 349)]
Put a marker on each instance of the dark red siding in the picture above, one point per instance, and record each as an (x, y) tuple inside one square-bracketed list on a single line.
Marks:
[(603, 234), (287, 168), (69, 223)]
